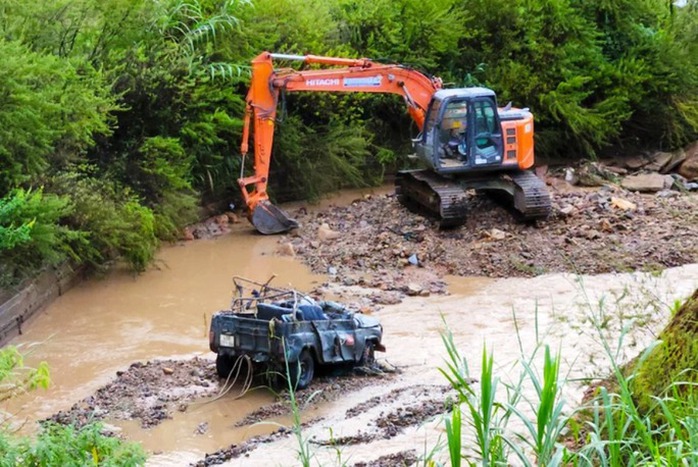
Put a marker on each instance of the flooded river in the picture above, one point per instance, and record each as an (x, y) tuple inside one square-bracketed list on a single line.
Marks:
[(103, 325)]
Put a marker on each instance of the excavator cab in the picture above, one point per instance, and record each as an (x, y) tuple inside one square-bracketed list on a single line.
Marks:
[(462, 131)]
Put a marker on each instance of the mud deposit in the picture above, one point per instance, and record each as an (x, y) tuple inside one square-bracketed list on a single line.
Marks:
[(149, 392), (379, 255), (381, 244)]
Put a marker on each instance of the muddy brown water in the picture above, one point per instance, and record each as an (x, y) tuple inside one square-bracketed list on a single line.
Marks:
[(104, 325)]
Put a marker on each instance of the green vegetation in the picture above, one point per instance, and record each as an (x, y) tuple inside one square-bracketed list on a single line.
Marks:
[(669, 372), (55, 444), (65, 445), (644, 414), (136, 105), (16, 378)]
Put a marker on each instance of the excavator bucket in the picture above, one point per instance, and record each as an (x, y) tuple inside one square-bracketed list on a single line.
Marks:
[(269, 219)]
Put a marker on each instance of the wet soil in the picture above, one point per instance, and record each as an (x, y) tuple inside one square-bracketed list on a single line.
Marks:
[(324, 389), (382, 245), (149, 392), (384, 253)]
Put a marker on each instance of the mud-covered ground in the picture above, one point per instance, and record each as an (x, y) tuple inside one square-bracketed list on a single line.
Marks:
[(378, 251), (151, 392), (380, 244)]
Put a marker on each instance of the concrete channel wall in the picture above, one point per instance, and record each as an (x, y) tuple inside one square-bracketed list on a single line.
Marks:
[(34, 297)]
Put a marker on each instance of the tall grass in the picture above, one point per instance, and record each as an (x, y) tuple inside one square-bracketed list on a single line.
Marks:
[(486, 416), (304, 452), (609, 430)]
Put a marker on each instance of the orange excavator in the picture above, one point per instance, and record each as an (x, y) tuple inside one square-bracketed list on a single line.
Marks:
[(465, 139)]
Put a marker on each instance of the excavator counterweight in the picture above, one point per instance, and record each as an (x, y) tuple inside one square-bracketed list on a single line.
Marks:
[(465, 140)]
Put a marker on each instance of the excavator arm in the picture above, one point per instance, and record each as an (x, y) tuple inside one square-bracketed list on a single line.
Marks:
[(350, 75)]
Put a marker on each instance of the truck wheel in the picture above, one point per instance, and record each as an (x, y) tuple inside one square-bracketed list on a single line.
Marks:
[(368, 359), (224, 365), (302, 371)]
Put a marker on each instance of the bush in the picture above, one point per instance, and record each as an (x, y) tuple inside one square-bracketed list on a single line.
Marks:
[(118, 224), (33, 234), (55, 444), (16, 378), (50, 109), (66, 445)]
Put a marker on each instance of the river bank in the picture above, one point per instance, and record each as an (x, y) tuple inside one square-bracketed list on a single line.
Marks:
[(158, 321)]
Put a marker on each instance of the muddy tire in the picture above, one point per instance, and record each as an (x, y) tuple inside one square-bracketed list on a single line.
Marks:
[(302, 371), (368, 358), (224, 365)]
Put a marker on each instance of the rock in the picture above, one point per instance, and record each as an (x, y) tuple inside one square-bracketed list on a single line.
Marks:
[(232, 217), (667, 194), (568, 210), (646, 183), (623, 204), (496, 234), (571, 176), (635, 162), (677, 157), (332, 271), (413, 260), (314, 244), (168, 370), (187, 234), (596, 174), (541, 171), (668, 182), (413, 289), (221, 220), (287, 249), (324, 233), (605, 225), (592, 234), (201, 428), (689, 167), (659, 160), (617, 170)]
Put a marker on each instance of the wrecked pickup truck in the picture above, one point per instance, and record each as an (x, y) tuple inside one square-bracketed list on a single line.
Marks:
[(285, 332)]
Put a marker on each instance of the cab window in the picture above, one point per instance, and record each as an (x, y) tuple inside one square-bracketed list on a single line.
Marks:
[(485, 117), (431, 120)]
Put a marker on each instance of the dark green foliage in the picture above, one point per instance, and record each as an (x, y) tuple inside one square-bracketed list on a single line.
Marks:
[(32, 234), (66, 445), (50, 110), (150, 96), (119, 225), (318, 159), (422, 34)]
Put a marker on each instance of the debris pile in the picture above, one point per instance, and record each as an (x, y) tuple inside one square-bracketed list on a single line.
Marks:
[(380, 244)]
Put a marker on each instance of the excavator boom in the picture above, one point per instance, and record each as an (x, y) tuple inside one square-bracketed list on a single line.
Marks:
[(353, 75)]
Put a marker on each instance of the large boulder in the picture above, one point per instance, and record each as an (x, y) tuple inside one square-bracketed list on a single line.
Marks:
[(646, 183), (689, 167), (677, 157), (658, 161), (635, 162)]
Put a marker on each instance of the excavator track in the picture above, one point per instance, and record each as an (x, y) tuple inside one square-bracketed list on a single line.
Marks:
[(531, 196), (446, 199), (440, 196)]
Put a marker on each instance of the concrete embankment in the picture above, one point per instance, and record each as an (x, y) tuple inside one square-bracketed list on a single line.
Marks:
[(33, 297)]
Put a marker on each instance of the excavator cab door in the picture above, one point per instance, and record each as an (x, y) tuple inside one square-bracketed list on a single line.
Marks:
[(486, 133), (444, 140)]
